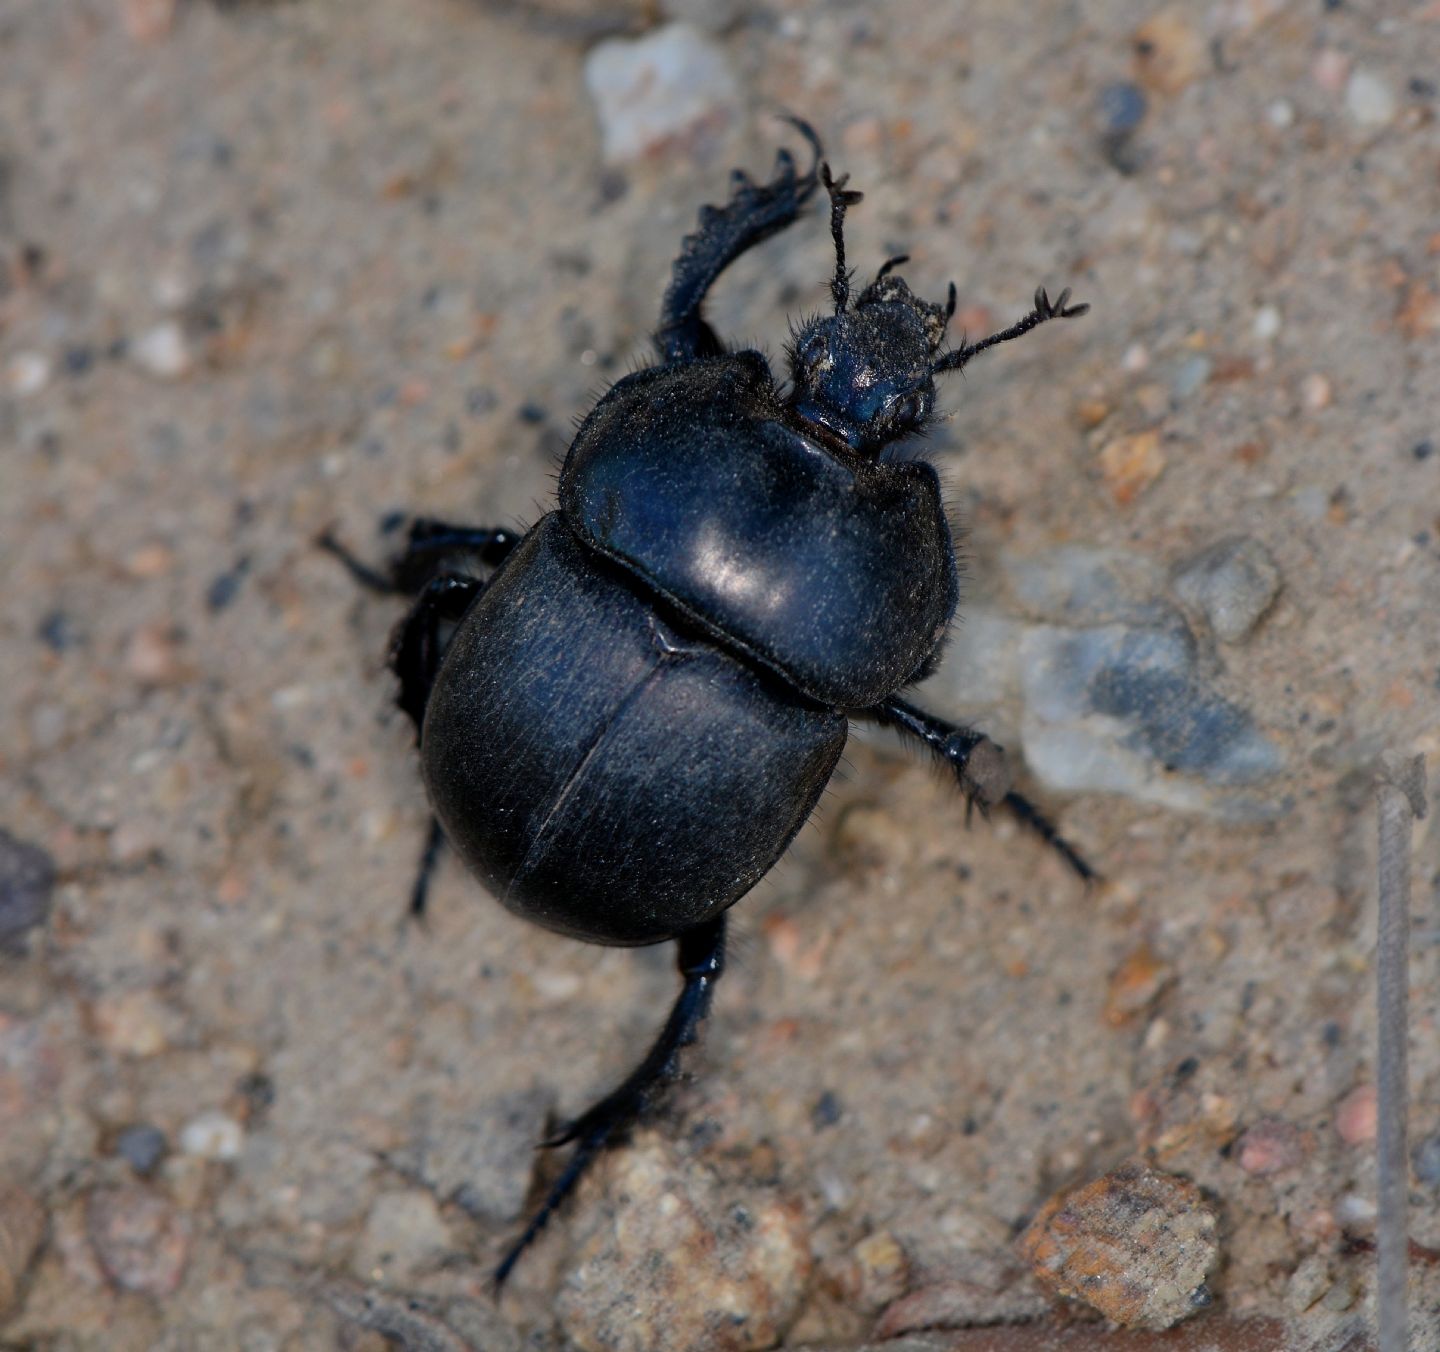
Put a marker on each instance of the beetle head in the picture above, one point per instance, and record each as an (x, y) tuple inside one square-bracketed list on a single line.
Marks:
[(866, 373)]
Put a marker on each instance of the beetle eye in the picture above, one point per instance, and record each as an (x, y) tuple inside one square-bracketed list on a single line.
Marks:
[(907, 410)]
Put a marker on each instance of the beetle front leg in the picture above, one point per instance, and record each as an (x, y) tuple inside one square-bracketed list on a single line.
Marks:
[(753, 213), (701, 961), (980, 768)]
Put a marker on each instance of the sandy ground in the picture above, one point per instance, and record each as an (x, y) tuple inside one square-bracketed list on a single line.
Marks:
[(267, 267)]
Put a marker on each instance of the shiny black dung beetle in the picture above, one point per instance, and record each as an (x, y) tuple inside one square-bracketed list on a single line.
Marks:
[(623, 726)]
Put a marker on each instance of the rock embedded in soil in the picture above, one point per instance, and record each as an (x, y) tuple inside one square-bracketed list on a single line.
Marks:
[(671, 86), (1136, 1245), (22, 1226), (27, 879), (142, 1241), (1233, 583), (675, 1258)]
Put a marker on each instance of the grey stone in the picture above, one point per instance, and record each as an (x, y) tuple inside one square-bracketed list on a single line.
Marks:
[(142, 1148), (482, 1160), (27, 878), (671, 85), (404, 1234), (1232, 583), (1079, 585), (982, 661), (1125, 709)]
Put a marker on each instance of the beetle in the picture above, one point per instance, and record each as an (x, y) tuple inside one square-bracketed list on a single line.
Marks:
[(625, 724)]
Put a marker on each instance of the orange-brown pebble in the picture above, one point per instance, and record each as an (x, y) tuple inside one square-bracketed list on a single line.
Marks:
[(1136, 1245), (1135, 985), (1131, 464), (1355, 1118), (1271, 1146), (1169, 53)]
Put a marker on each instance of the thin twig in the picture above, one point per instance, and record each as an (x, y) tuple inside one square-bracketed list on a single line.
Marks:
[(1401, 799)]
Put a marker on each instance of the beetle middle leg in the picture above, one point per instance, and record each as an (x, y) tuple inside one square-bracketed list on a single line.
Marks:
[(417, 646), (980, 769), (701, 961), (753, 213)]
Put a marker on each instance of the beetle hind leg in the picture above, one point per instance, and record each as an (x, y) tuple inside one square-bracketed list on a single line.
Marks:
[(701, 961), (980, 769), (753, 213)]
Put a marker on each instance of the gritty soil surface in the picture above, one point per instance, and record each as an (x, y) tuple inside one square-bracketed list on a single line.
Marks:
[(271, 267)]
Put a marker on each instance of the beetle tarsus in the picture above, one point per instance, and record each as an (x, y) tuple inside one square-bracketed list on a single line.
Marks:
[(980, 768), (429, 858), (701, 962), (1030, 817)]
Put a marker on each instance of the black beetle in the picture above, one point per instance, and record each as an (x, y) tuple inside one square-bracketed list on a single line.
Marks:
[(625, 725)]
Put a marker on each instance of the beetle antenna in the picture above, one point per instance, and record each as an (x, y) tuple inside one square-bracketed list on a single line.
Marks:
[(840, 202), (890, 264), (1045, 308)]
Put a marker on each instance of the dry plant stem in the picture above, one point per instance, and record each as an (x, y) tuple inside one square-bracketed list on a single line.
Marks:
[(1401, 799)]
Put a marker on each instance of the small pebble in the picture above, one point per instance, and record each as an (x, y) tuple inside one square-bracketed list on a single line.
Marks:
[(826, 1112), (1281, 114), (1369, 100), (162, 351), (142, 1148), (28, 373), (1135, 359), (27, 879), (1316, 392), (58, 631), (1233, 582), (1308, 1283), (1135, 985), (1425, 1159), (1330, 70), (1270, 1147), (1190, 375), (880, 1272), (1169, 53), (703, 1267), (212, 1135), (1131, 464), (148, 20), (1122, 107), (1357, 1115), (152, 655), (22, 1226), (480, 1158), (140, 1239), (1136, 1245), (1267, 323), (132, 1023), (671, 85), (404, 1234)]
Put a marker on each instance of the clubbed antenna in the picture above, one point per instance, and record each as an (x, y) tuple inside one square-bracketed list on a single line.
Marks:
[(840, 202)]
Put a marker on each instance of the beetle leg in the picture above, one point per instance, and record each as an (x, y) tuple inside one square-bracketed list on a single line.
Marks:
[(415, 653), (979, 767), (701, 960), (416, 649), (427, 544), (753, 213)]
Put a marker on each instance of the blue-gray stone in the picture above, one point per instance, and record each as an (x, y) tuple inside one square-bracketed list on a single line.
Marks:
[(27, 878)]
